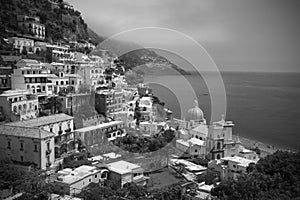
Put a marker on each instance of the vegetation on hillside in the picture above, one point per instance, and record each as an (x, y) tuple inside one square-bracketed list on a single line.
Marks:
[(276, 176), (61, 23), (136, 144)]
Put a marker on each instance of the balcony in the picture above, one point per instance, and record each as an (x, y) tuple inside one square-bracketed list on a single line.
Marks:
[(68, 130), (48, 151)]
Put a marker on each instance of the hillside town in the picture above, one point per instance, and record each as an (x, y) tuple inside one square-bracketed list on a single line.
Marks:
[(73, 118), (58, 103)]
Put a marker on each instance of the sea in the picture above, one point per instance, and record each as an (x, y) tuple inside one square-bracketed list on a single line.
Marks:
[(263, 106)]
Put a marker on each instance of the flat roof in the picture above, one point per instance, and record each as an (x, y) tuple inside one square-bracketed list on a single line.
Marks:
[(104, 125), (244, 162), (40, 75), (78, 174), (122, 167), (29, 132), (14, 92), (41, 121), (196, 141), (189, 165)]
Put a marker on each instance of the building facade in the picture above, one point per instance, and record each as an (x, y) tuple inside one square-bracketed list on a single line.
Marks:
[(123, 172), (19, 105), (100, 134), (33, 77), (74, 181), (109, 101), (26, 145), (61, 125), (32, 26)]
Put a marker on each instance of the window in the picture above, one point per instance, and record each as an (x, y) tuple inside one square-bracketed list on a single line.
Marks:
[(96, 176), (51, 130), (90, 180), (35, 147), (21, 146), (8, 145), (48, 145), (234, 166), (218, 156), (219, 145), (196, 150), (103, 175), (22, 159)]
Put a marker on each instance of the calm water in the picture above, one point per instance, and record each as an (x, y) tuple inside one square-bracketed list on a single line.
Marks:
[(263, 106)]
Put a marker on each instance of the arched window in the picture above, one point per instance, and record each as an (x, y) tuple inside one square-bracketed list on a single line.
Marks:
[(24, 107), (20, 107), (15, 109), (218, 156)]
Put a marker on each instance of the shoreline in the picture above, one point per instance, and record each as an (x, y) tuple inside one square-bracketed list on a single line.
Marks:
[(266, 149)]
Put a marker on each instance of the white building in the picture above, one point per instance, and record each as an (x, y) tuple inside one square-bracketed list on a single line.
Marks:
[(19, 105), (33, 77), (230, 167), (152, 128), (74, 181), (217, 137), (22, 43), (125, 172), (193, 146)]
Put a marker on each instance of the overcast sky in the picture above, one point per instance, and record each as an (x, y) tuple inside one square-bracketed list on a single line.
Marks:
[(240, 35)]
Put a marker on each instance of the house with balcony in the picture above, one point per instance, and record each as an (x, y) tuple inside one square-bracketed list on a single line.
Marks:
[(27, 145), (59, 82), (33, 76), (74, 181), (61, 125), (32, 26), (123, 172), (19, 105)]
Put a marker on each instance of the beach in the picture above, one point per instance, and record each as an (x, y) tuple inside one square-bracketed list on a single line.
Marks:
[(265, 149)]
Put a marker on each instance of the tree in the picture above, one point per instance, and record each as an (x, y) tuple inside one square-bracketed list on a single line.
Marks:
[(276, 176)]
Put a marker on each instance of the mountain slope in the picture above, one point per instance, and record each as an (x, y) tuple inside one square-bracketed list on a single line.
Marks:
[(61, 22)]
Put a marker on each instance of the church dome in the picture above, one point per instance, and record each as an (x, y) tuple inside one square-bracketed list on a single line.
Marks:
[(195, 114)]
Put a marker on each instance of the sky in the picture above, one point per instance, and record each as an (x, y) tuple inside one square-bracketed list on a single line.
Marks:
[(240, 35)]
